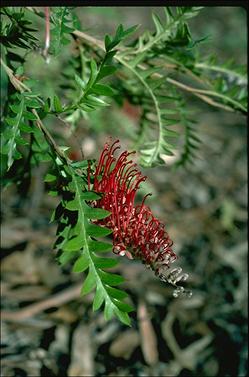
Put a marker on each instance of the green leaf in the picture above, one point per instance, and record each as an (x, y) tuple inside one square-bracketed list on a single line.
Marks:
[(57, 104), (158, 24), (50, 178), (33, 103), (107, 70), (65, 257), (110, 279), (81, 264), (74, 244), (80, 82), (11, 142), (130, 30), (108, 311), (96, 213), (99, 246), (98, 298), (25, 128), (124, 317), (94, 101), (89, 195), (73, 205), (116, 293), (97, 231), (60, 17), (29, 116), (104, 262), (89, 283), (103, 90), (80, 164), (93, 74), (108, 41), (123, 306)]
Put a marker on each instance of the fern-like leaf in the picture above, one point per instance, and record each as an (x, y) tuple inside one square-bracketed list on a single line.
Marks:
[(75, 242)]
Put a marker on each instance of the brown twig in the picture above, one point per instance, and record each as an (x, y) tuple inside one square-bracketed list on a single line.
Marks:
[(55, 300), (14, 80)]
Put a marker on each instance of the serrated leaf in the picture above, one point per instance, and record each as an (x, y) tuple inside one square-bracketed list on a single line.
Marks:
[(73, 205), (104, 262), (96, 213), (12, 152), (97, 231), (81, 264), (116, 293), (110, 279), (99, 246), (89, 283), (89, 195), (74, 244), (65, 257)]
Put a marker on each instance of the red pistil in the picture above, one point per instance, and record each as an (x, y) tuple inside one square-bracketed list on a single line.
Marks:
[(136, 232)]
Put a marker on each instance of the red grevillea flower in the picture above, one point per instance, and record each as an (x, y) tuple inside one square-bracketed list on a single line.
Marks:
[(137, 233)]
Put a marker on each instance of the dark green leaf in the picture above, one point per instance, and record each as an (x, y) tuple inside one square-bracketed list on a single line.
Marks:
[(103, 90), (97, 231), (89, 195), (116, 293), (74, 244), (104, 262), (57, 104), (110, 279), (107, 70), (96, 213), (99, 247), (73, 205)]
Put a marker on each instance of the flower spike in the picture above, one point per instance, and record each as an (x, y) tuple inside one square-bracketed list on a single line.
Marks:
[(137, 233)]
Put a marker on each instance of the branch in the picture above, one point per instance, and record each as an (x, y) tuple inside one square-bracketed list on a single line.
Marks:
[(14, 80), (33, 309), (200, 93)]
